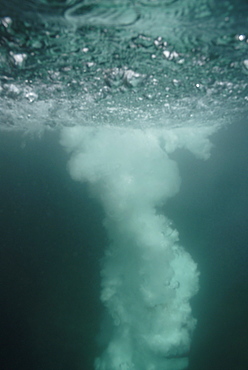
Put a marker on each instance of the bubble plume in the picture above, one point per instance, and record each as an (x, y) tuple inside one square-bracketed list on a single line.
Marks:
[(148, 278)]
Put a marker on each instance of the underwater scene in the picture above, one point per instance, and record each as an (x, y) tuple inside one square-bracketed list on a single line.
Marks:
[(123, 184)]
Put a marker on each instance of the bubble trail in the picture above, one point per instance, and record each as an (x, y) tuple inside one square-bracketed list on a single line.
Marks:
[(148, 279)]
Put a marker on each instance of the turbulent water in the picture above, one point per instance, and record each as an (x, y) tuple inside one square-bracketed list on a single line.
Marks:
[(126, 62), (135, 97)]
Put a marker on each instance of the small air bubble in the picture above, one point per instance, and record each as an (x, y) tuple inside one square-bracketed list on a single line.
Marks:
[(18, 59), (245, 62), (31, 96), (175, 82), (240, 37), (133, 79), (90, 64), (6, 21), (166, 54)]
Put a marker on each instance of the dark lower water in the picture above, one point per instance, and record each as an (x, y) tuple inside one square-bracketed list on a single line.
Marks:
[(210, 213), (52, 241), (51, 244)]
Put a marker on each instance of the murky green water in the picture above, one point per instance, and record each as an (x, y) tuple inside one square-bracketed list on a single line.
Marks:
[(177, 71)]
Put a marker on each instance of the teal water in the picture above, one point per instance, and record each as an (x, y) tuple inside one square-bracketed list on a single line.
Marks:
[(133, 65), (52, 242)]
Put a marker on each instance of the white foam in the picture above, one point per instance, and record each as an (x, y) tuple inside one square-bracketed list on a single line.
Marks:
[(147, 277)]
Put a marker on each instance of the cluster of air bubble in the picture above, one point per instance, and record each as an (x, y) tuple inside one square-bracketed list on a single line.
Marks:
[(148, 279), (164, 65)]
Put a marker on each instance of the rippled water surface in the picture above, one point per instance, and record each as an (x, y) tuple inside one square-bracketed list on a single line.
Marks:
[(139, 63)]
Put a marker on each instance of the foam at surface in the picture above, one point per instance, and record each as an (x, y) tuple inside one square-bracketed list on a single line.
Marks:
[(147, 277)]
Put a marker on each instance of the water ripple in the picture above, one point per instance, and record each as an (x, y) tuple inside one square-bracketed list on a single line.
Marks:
[(98, 14), (138, 61)]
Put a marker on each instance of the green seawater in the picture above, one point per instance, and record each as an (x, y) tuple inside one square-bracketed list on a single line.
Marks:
[(136, 64)]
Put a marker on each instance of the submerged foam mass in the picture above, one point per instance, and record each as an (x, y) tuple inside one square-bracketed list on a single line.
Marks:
[(147, 276)]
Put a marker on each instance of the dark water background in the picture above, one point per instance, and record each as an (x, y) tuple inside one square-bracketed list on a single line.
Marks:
[(52, 241), (211, 215)]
